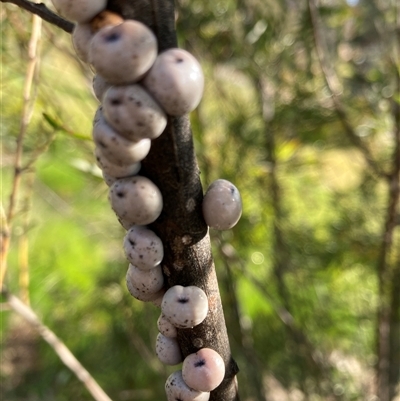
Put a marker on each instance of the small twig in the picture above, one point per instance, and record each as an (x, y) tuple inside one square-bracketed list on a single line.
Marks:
[(237, 329), (4, 244), (43, 12), (26, 114), (59, 347), (386, 272), (333, 85), (23, 244)]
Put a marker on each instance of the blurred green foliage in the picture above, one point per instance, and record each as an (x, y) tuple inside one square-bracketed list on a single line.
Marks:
[(297, 274)]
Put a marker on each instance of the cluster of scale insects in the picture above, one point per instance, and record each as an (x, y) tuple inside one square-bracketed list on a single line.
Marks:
[(138, 88)]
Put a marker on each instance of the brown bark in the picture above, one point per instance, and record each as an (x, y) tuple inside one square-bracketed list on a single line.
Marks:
[(172, 166)]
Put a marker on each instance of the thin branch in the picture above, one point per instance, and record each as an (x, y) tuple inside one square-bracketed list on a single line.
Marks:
[(59, 347), (4, 245), (386, 274), (236, 328), (23, 242), (26, 114), (281, 258), (333, 84), (43, 12)]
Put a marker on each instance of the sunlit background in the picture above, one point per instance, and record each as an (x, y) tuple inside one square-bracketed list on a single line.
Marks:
[(300, 275)]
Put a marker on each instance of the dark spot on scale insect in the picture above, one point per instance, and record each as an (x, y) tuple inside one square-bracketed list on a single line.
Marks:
[(141, 256), (115, 102), (199, 363), (133, 243), (232, 190), (138, 103), (183, 300), (120, 194), (112, 37), (179, 60)]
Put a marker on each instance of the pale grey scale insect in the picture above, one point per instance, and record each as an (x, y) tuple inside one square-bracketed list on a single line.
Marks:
[(176, 81), (115, 170), (165, 327), (141, 295), (124, 53), (203, 370), (167, 350), (136, 200), (133, 112), (79, 10), (115, 148), (185, 307), (145, 281), (222, 205), (177, 389)]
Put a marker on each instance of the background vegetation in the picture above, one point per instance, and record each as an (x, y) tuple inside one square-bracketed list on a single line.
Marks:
[(301, 112)]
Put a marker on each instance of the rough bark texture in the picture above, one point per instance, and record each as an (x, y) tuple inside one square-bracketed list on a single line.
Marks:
[(172, 166)]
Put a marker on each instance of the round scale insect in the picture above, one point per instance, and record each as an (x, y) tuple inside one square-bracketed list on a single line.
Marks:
[(133, 112), (143, 248), (115, 170), (176, 81), (84, 32), (136, 200), (165, 327), (177, 389), (124, 53), (140, 295), (222, 205), (203, 370), (185, 307), (167, 350), (79, 10), (145, 281), (116, 148)]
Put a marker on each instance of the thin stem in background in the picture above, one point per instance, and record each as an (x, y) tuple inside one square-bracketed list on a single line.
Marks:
[(26, 115), (388, 342), (237, 330), (59, 347), (333, 85), (43, 12), (387, 318), (23, 243)]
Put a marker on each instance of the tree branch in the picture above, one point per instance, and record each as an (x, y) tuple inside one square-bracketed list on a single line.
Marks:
[(172, 166), (386, 345), (43, 12), (59, 347)]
